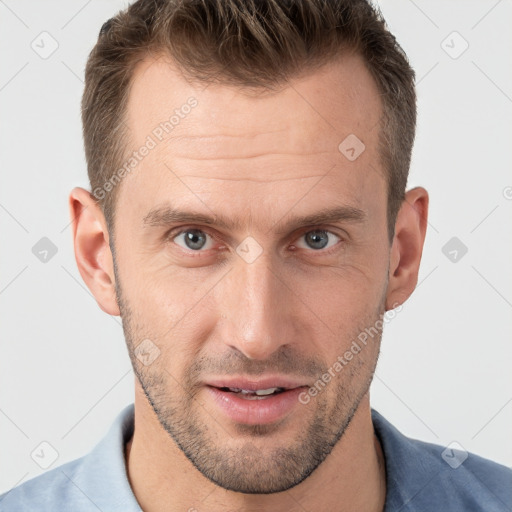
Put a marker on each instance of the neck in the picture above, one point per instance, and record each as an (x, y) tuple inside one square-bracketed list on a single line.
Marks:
[(352, 477)]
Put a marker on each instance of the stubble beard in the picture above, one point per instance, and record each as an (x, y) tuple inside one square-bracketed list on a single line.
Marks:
[(245, 463)]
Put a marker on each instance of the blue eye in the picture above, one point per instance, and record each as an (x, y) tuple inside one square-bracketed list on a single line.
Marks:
[(194, 239), (197, 240), (319, 239)]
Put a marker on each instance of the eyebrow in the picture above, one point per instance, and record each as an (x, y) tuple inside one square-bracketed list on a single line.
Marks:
[(167, 215)]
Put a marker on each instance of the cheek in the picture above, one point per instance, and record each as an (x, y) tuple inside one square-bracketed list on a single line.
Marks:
[(167, 307), (342, 304), (161, 291), (342, 294)]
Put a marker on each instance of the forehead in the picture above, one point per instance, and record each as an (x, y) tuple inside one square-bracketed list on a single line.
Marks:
[(217, 141)]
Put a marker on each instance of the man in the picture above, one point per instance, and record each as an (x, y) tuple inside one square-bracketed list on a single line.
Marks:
[(248, 220)]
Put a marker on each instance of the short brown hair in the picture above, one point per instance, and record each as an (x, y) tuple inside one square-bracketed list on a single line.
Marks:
[(253, 44)]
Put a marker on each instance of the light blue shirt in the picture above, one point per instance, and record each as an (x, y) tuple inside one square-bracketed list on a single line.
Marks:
[(421, 477)]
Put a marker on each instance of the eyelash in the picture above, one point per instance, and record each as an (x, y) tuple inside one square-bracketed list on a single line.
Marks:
[(174, 233)]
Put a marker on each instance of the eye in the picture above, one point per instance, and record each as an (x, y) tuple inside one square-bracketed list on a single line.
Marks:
[(193, 240), (319, 239)]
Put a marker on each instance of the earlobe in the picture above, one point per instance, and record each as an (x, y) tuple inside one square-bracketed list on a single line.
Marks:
[(92, 250), (407, 247)]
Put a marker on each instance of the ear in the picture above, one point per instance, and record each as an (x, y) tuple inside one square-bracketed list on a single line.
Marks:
[(407, 247), (92, 250)]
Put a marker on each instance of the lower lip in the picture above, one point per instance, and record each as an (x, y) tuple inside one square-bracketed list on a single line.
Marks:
[(257, 411)]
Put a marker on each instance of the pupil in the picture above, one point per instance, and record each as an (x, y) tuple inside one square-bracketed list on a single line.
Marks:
[(195, 239), (317, 239)]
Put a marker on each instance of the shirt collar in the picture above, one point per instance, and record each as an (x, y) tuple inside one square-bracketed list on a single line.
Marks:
[(104, 478)]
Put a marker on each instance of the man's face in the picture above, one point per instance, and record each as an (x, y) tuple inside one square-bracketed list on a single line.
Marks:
[(258, 298)]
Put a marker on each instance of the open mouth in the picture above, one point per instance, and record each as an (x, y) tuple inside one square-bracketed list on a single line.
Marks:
[(259, 405), (258, 394)]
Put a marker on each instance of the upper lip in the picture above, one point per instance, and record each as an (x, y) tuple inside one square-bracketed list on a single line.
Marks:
[(252, 384)]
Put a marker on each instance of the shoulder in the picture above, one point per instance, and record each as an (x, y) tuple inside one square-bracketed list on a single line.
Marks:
[(471, 481), (426, 476), (96, 481), (47, 492)]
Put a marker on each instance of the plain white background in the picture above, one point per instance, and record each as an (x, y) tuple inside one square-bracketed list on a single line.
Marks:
[(444, 373)]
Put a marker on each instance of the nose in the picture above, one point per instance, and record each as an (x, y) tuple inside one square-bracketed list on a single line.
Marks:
[(256, 304)]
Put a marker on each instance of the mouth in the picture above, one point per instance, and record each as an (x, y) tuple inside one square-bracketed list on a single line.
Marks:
[(255, 403)]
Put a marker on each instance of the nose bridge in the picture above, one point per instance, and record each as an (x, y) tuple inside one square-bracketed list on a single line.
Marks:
[(254, 301)]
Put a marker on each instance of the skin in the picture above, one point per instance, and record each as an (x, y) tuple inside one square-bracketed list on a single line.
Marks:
[(260, 160)]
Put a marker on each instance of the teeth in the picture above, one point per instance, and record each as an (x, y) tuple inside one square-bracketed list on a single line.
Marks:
[(259, 392), (269, 391)]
